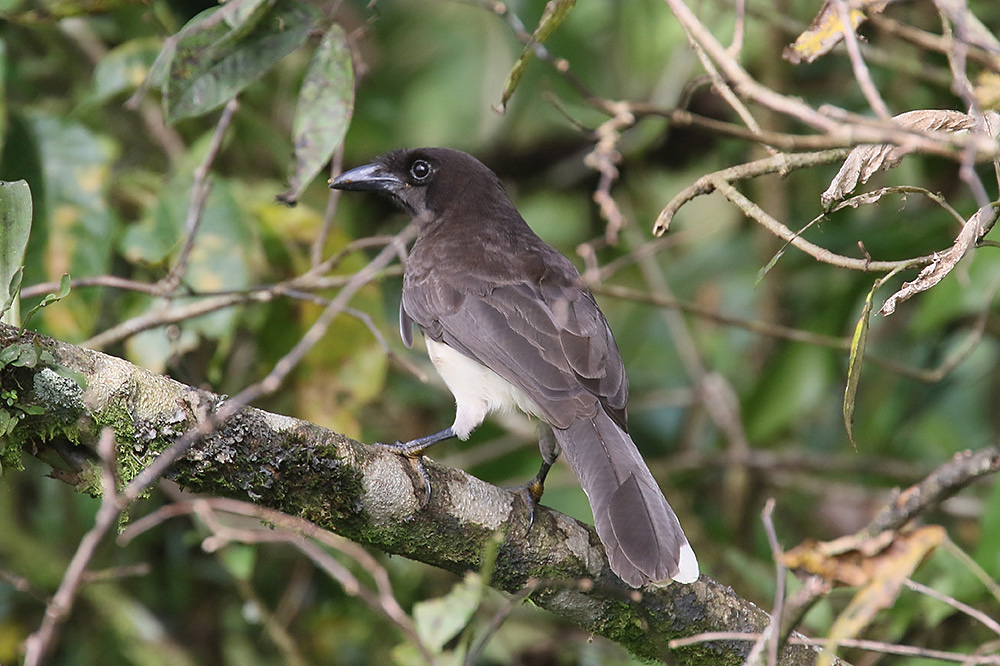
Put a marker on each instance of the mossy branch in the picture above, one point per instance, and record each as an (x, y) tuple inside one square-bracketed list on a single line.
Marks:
[(366, 494)]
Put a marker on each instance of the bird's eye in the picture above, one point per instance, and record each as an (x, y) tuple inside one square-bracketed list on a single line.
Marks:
[(420, 170)]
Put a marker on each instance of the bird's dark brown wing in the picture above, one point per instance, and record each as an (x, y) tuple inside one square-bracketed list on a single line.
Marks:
[(549, 340)]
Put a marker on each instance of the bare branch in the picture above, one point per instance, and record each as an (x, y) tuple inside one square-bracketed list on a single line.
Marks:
[(40, 643), (861, 74), (948, 479), (200, 189)]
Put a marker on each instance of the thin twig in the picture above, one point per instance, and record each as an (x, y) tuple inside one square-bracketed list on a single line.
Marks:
[(111, 281), (777, 612), (928, 41), (861, 74), (604, 159), (926, 375), (273, 380), (200, 189), (332, 199), (309, 280), (38, 645), (872, 646), (756, 213), (560, 65), (829, 120), (728, 94), (279, 527), (112, 502), (782, 165), (982, 617), (739, 30), (964, 468)]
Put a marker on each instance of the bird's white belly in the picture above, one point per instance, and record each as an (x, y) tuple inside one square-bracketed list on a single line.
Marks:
[(478, 390)]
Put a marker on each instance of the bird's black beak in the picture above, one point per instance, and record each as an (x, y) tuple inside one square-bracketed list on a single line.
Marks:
[(372, 177)]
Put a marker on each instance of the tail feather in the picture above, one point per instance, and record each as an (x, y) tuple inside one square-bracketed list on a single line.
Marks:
[(640, 532)]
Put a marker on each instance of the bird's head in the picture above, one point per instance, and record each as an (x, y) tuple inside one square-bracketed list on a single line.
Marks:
[(426, 180)]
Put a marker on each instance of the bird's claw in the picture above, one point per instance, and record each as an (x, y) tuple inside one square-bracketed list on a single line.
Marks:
[(531, 494)]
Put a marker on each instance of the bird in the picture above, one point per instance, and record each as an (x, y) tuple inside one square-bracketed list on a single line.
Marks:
[(509, 324)]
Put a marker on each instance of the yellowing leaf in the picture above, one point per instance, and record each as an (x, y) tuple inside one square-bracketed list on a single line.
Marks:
[(827, 30), (887, 572), (858, 343), (555, 13)]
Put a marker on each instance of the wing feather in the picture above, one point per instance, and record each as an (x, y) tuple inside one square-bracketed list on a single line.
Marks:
[(549, 340)]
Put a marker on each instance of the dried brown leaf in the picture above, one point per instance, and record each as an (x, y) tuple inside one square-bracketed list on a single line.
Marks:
[(887, 572), (859, 561), (972, 231), (864, 161)]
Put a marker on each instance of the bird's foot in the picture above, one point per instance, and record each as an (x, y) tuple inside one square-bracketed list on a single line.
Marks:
[(531, 493), (531, 497)]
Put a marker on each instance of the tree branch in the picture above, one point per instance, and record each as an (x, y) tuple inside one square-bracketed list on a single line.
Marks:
[(364, 493)]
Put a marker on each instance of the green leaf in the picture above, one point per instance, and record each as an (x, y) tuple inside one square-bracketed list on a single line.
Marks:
[(64, 289), (124, 69), (214, 60), (325, 106), (4, 75), (79, 221), (555, 13), (437, 621), (13, 303), (857, 352), (220, 261), (9, 353), (7, 422), (858, 343), (15, 227), (27, 356), (770, 264), (239, 560)]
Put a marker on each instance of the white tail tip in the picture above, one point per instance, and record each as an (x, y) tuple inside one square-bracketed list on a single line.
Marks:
[(687, 567)]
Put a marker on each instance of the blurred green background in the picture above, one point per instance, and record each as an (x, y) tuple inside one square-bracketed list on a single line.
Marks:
[(111, 187)]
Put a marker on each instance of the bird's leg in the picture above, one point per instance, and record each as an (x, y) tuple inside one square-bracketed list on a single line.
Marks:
[(414, 449), (532, 490)]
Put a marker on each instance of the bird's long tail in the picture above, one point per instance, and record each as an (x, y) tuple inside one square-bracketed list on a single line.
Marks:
[(640, 532)]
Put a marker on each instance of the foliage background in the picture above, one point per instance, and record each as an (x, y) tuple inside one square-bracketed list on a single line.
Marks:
[(111, 187)]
